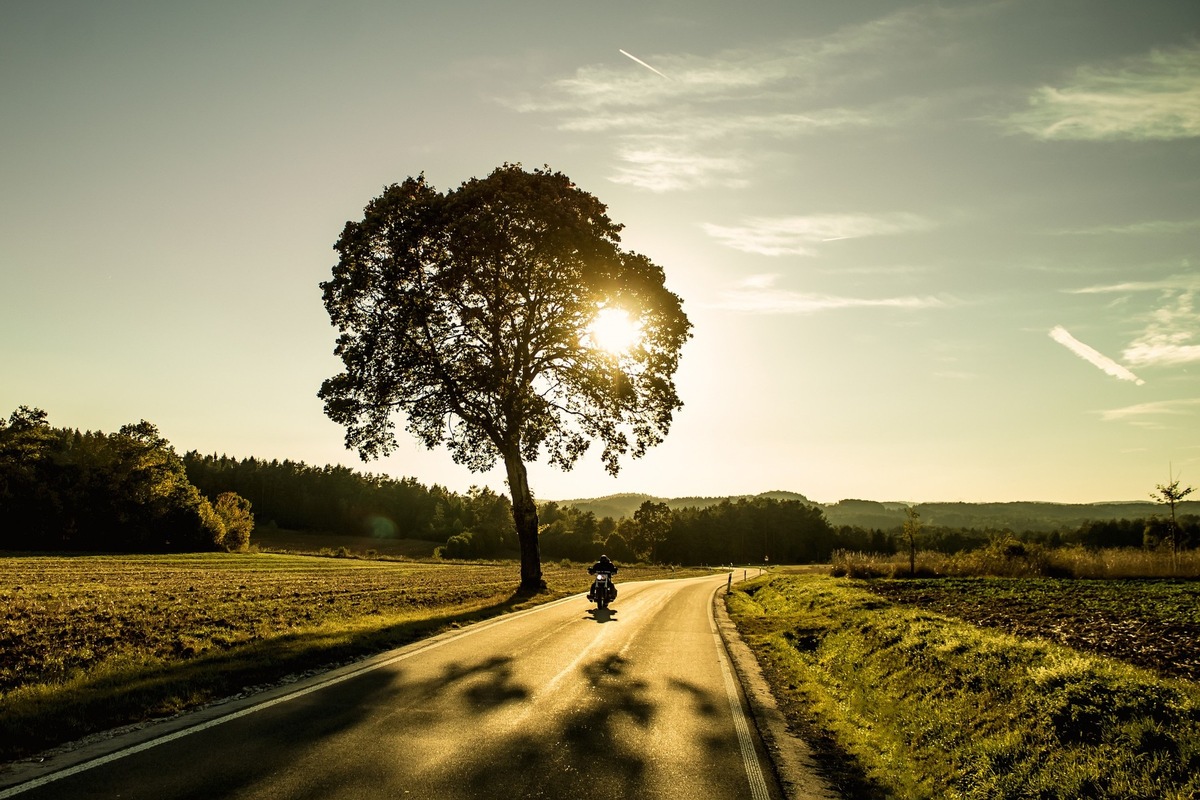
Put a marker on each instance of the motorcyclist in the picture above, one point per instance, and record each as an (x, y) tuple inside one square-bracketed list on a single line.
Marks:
[(603, 565)]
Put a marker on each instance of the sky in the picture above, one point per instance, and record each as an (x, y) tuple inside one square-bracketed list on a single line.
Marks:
[(931, 251)]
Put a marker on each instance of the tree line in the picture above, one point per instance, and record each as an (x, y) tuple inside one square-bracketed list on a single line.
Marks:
[(1149, 533), (748, 530), (64, 489), (335, 499)]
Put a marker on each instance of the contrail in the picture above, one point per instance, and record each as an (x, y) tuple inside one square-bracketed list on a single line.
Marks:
[(1092, 356), (643, 63)]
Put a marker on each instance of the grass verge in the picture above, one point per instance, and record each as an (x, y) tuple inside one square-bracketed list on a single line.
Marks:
[(89, 643), (913, 704)]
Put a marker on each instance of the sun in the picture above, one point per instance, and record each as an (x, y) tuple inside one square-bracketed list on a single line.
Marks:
[(614, 331)]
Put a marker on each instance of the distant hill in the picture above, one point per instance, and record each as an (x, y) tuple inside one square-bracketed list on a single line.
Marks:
[(623, 505), (871, 514)]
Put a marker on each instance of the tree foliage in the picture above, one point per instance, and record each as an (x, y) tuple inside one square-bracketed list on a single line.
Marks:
[(748, 530), (1172, 494), (912, 529), (61, 489), (467, 314), (653, 526), (332, 498)]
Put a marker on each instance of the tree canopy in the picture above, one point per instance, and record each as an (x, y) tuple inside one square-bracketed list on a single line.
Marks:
[(468, 313), (61, 489)]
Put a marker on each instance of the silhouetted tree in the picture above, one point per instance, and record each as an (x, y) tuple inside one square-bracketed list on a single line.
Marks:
[(468, 314), (912, 528), (1170, 494)]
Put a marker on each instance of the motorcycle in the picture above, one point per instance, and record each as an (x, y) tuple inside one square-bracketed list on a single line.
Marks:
[(603, 591)]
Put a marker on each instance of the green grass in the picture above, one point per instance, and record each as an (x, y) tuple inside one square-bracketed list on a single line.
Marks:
[(89, 643), (915, 704), (1149, 623)]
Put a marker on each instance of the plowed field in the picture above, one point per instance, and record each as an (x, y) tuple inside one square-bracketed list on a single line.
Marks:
[(1153, 624)]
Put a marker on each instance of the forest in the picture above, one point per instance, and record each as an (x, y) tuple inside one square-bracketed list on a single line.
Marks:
[(63, 489)]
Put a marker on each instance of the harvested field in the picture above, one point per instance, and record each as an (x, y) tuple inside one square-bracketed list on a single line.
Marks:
[(90, 642), (1153, 624)]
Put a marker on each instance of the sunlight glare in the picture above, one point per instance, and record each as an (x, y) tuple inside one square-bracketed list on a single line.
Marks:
[(613, 331)]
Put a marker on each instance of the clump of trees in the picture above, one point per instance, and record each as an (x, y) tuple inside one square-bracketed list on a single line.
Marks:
[(62, 489), (749, 530)]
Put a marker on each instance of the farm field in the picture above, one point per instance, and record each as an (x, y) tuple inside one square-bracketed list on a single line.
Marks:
[(95, 641), (904, 701), (280, 540), (1153, 624)]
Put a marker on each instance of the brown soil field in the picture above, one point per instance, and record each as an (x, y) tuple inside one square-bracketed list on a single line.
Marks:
[(1154, 624)]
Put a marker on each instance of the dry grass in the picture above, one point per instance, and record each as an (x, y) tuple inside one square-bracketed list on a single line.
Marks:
[(1013, 559)]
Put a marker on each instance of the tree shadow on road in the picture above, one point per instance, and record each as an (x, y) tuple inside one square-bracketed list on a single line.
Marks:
[(141, 691), (577, 755), (317, 755)]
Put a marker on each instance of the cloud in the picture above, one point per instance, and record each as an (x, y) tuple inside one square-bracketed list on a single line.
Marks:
[(1153, 97), (1169, 284), (659, 168), (1092, 356), (781, 236), (724, 106), (1171, 335), (1140, 411), (758, 295), (1149, 228)]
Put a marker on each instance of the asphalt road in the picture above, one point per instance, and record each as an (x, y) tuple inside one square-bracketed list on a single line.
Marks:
[(561, 701)]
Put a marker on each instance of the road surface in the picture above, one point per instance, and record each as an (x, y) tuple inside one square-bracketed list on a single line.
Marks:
[(560, 701)]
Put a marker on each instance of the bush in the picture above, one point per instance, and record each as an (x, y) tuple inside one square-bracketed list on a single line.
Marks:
[(234, 512)]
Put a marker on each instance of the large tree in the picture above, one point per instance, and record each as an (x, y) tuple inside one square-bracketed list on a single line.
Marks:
[(473, 314)]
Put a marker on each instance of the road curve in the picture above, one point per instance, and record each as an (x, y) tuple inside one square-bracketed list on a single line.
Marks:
[(560, 701)]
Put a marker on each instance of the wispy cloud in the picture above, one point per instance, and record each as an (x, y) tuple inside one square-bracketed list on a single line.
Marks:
[(1169, 284), (759, 295), (714, 105), (1156, 96), (1148, 228), (661, 168), (1092, 356), (1172, 337), (1142, 411), (1171, 332), (780, 236)]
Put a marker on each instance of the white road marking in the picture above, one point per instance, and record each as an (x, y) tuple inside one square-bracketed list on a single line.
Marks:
[(334, 679), (758, 784)]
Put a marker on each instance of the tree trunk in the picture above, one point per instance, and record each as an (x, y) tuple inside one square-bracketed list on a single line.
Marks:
[(526, 521)]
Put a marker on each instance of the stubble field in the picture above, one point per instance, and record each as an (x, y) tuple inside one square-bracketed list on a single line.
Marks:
[(92, 642)]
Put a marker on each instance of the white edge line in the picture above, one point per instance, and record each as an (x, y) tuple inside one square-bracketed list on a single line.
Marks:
[(758, 784)]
